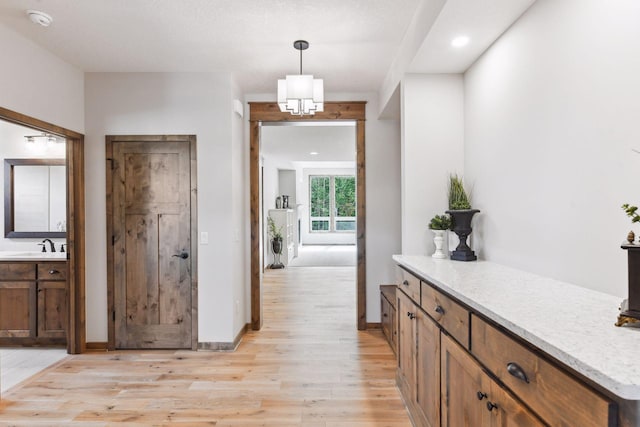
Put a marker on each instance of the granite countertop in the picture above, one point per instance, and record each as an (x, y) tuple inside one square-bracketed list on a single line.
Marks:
[(575, 325), (32, 256)]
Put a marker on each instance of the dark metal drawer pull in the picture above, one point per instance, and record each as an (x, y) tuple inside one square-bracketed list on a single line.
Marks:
[(53, 272), (406, 283), (411, 315), (439, 309), (516, 370), (491, 406), (481, 395)]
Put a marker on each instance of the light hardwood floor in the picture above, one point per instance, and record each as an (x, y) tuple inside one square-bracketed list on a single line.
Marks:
[(308, 366)]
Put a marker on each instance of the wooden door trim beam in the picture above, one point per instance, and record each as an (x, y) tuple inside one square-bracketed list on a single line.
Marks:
[(76, 327), (270, 112)]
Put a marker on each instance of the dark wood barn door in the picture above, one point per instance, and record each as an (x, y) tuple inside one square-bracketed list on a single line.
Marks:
[(152, 259)]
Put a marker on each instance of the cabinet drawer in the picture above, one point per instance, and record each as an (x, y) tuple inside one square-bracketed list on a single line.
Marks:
[(17, 271), (52, 271), (410, 285), (553, 394), (449, 314)]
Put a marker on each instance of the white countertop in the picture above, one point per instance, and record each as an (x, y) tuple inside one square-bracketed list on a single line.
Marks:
[(575, 325), (32, 256)]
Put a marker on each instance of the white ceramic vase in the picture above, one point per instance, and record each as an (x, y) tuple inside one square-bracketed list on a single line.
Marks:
[(438, 240)]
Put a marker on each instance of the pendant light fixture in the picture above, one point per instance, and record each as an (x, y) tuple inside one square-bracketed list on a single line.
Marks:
[(300, 94)]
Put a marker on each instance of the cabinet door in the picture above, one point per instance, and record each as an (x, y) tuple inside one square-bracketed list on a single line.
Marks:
[(463, 394), (52, 309), (506, 411), (427, 370), (17, 309), (406, 346), (471, 399), (385, 317)]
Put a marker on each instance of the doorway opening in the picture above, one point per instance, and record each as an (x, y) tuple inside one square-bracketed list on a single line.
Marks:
[(335, 112), (309, 193), (67, 293)]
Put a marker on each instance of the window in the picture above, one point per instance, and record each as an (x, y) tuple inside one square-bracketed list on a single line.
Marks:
[(332, 201)]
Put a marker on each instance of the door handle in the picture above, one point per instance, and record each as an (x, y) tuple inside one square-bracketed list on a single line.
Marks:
[(182, 255)]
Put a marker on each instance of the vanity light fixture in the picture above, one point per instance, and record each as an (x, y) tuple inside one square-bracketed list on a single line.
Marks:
[(314, 153), (301, 94), (460, 41), (40, 18), (50, 138)]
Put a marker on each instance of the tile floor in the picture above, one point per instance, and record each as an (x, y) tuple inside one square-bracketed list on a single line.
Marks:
[(18, 364)]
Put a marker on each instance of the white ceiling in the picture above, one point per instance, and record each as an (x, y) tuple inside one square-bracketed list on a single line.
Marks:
[(353, 42), (285, 144)]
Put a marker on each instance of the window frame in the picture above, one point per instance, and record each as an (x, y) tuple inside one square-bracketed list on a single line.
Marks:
[(333, 218)]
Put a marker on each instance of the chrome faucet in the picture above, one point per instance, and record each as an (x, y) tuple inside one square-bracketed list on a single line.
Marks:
[(51, 245)]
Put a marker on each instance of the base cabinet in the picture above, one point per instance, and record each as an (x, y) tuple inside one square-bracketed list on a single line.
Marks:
[(33, 303), (456, 369)]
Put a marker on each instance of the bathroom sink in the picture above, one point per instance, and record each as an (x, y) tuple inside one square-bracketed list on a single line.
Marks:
[(32, 255)]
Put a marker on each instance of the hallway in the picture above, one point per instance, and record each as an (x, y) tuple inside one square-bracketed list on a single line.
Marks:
[(308, 366)]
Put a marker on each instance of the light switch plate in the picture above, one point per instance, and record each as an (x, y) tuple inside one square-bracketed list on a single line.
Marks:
[(204, 238)]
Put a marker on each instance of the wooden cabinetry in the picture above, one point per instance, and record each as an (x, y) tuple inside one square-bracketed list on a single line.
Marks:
[(455, 368), (556, 396), (285, 221), (418, 362), (388, 317), (471, 398), (33, 303)]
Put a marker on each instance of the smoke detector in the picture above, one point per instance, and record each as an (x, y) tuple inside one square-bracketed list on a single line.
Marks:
[(39, 18)]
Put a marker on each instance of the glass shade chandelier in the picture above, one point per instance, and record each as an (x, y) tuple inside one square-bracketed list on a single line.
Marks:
[(300, 94)]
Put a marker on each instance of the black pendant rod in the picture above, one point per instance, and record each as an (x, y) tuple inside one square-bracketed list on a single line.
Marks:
[(301, 45)]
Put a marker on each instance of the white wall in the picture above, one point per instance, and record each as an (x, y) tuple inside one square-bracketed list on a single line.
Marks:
[(37, 83), (551, 124), (432, 149), (240, 216), (14, 146), (172, 103)]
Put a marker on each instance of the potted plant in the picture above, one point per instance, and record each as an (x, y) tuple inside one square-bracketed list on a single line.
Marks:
[(439, 224), (276, 242), (461, 215)]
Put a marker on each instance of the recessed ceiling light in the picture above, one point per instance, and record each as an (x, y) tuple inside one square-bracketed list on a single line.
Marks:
[(39, 18), (460, 41), (314, 153)]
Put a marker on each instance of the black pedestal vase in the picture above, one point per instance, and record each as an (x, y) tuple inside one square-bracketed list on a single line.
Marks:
[(462, 227), (276, 247)]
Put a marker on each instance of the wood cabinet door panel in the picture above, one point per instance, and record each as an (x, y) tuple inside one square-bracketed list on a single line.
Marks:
[(17, 309), (508, 412), (52, 309), (406, 346), (428, 370), (462, 380)]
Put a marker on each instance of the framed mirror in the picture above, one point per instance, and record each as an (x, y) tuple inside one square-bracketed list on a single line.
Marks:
[(35, 198)]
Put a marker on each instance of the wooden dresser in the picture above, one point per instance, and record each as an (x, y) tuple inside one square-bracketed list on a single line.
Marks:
[(459, 366), (33, 302)]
